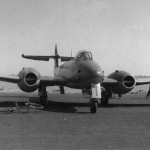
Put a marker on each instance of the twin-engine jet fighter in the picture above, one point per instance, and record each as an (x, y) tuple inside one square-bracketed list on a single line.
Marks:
[(80, 72)]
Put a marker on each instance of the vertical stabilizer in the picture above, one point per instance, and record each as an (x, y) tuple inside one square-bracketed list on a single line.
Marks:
[(71, 52), (56, 57)]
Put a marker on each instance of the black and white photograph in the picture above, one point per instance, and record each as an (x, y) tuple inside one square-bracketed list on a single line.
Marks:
[(74, 74)]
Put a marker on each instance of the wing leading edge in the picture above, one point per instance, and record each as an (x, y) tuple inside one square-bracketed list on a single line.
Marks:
[(142, 82), (108, 81), (51, 81), (11, 78), (47, 80)]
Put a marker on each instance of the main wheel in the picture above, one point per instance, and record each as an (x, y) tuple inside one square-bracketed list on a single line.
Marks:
[(105, 98), (93, 107), (104, 101)]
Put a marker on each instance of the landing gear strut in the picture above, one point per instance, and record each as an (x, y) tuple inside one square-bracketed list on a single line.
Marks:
[(96, 95), (62, 91), (93, 105), (42, 94), (105, 97)]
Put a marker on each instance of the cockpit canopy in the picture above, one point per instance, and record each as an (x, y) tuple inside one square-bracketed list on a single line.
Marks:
[(83, 55)]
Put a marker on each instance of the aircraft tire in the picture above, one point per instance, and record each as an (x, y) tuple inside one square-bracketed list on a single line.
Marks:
[(104, 99), (93, 106), (104, 102)]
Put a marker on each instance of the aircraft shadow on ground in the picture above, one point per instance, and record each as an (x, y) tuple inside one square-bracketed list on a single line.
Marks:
[(69, 107), (62, 107), (66, 107), (10, 103)]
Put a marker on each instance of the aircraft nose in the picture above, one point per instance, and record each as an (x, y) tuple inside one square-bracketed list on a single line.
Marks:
[(90, 70), (98, 73)]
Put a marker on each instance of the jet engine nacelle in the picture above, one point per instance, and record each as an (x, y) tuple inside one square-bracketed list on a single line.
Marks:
[(29, 79), (125, 84)]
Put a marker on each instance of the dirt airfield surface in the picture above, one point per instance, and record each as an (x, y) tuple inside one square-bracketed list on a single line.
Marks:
[(67, 124)]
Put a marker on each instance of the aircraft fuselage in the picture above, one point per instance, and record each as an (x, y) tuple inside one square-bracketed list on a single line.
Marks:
[(80, 73)]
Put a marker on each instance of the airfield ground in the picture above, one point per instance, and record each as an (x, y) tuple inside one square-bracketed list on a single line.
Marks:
[(67, 124)]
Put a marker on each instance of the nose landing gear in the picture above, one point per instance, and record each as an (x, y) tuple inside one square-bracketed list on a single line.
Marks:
[(96, 95)]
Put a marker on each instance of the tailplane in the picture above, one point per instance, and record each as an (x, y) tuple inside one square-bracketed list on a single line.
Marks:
[(46, 58)]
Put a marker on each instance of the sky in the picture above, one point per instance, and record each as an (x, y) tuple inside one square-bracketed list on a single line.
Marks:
[(117, 32)]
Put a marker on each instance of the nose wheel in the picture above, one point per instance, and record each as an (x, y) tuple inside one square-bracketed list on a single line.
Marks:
[(93, 105)]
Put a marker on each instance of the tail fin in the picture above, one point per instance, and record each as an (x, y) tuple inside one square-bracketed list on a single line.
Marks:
[(46, 58), (71, 52), (56, 57)]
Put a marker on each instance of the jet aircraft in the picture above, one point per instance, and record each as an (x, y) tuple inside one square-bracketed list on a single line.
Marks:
[(80, 72)]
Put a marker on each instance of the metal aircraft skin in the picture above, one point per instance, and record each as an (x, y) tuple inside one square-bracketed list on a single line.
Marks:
[(80, 72)]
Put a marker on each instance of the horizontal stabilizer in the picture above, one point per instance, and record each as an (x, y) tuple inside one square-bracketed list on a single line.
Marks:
[(46, 58), (66, 58), (42, 58)]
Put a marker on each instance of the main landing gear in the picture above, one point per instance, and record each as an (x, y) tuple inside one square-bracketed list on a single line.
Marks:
[(105, 98), (93, 105), (42, 94)]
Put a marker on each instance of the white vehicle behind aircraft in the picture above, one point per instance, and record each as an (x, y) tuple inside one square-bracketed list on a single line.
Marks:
[(80, 72)]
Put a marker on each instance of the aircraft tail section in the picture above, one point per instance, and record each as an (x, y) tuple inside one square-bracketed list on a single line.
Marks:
[(46, 58), (56, 57)]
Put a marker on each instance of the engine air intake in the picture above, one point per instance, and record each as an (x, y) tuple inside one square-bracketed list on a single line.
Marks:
[(30, 78), (129, 81)]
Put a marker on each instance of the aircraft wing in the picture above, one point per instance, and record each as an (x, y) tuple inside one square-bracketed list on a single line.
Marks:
[(50, 81), (46, 58), (142, 82), (11, 78), (109, 81)]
